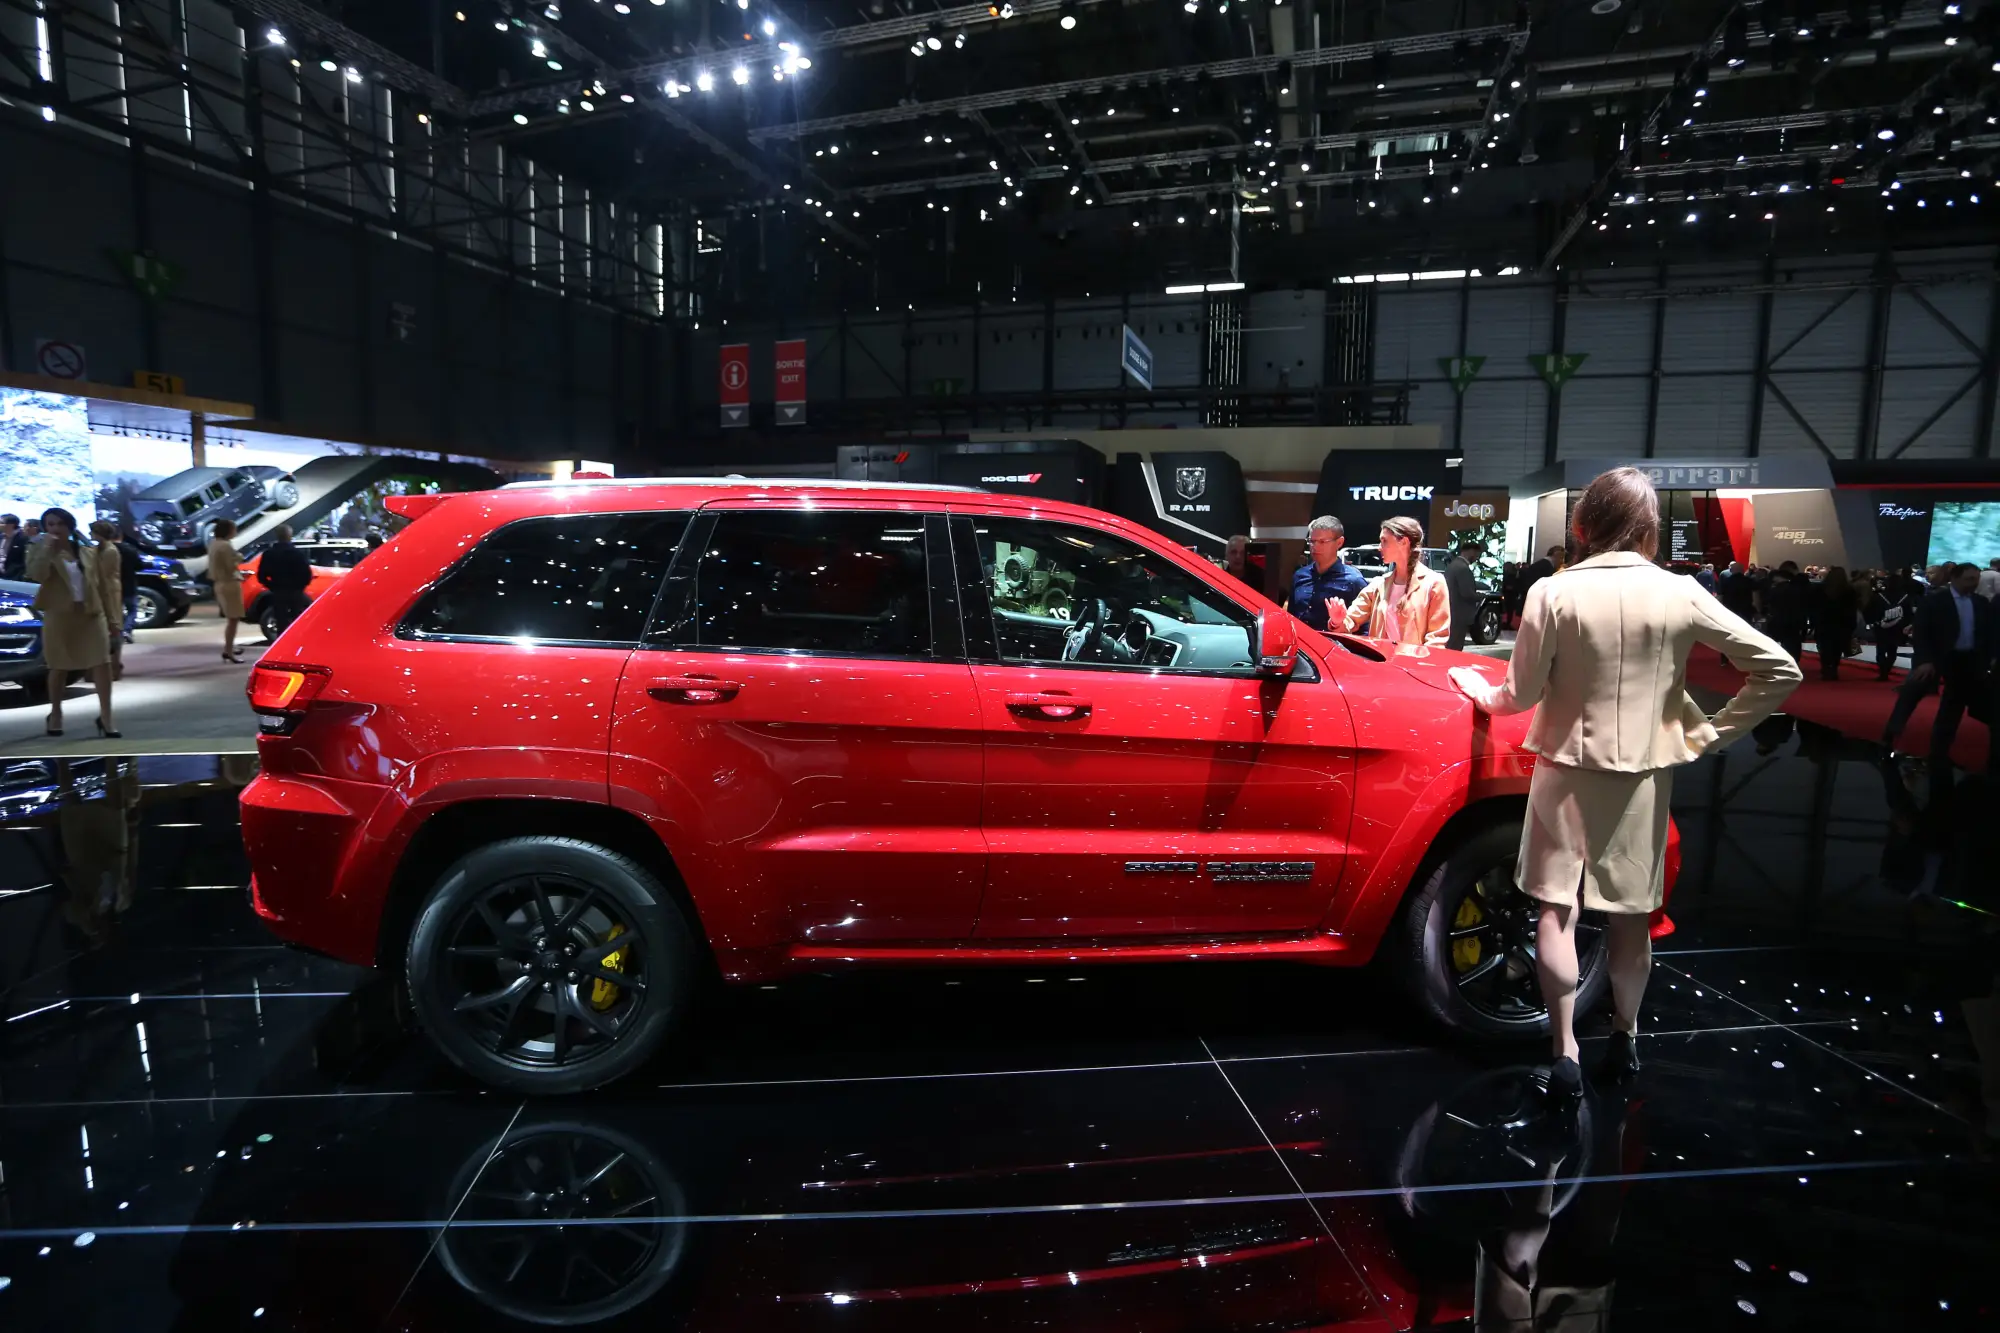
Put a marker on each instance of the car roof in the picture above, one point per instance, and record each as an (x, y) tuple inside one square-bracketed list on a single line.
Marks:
[(748, 484), (184, 481)]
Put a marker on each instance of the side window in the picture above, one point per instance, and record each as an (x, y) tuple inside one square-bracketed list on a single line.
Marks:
[(338, 557), (213, 493), (1068, 594), (812, 581), (585, 578)]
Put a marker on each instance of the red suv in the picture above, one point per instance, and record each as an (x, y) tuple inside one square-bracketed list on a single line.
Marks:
[(559, 750)]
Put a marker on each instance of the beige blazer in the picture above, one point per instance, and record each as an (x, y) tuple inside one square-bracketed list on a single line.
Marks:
[(1603, 648), (46, 566)]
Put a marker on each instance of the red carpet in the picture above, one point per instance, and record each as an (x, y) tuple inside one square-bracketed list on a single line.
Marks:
[(1856, 705)]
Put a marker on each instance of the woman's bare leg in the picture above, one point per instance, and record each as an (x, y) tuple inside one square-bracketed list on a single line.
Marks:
[(101, 675), (229, 634), (58, 682), (1555, 960), (1631, 960)]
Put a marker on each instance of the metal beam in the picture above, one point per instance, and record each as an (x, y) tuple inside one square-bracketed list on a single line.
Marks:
[(1989, 387), (1239, 67)]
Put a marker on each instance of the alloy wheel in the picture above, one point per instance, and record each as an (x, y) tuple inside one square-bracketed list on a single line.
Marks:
[(543, 971), (1492, 947)]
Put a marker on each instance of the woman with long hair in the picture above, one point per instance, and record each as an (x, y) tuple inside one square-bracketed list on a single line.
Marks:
[(225, 572), (1408, 602), (77, 600), (1603, 649)]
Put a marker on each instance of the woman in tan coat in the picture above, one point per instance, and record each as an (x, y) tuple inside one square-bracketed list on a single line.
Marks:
[(1603, 648), (78, 603), (225, 572), (1409, 604)]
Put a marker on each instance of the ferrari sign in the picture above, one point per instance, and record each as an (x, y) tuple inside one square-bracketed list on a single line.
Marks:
[(735, 384)]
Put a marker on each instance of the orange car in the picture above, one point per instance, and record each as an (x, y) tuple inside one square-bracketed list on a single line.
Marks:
[(330, 558)]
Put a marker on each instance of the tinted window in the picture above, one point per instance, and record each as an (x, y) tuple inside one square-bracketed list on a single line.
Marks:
[(814, 581), (1067, 594), (587, 578), (335, 557), (214, 493)]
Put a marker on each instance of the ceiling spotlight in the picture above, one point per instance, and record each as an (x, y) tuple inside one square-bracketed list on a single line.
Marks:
[(704, 80), (274, 36), (739, 76), (1192, 6), (916, 48), (671, 89), (770, 28), (520, 119), (329, 65), (1068, 20), (552, 11), (353, 74), (1885, 134), (743, 4)]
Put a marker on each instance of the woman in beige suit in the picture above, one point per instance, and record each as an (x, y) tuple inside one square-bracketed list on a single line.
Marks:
[(1603, 648), (225, 573), (78, 603)]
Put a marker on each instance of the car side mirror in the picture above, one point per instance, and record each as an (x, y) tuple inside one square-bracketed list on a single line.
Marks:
[(1277, 644)]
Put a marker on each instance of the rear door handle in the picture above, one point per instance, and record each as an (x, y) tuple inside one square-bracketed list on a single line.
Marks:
[(1050, 705), (693, 689)]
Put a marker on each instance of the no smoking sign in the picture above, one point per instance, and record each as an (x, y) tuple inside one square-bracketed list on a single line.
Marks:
[(59, 360)]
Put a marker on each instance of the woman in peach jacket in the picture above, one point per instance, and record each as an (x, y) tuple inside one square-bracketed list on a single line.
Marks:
[(1408, 604)]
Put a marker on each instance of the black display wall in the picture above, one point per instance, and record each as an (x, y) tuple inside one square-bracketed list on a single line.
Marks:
[(1362, 487), (1197, 498)]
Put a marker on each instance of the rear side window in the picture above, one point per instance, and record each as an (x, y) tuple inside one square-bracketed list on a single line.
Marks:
[(584, 578), (813, 581)]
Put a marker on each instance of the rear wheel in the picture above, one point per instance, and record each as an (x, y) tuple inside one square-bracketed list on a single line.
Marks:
[(267, 620), (1469, 942), (155, 608), (549, 965), (284, 494)]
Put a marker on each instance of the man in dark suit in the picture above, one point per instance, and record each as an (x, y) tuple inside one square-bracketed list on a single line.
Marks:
[(13, 549), (1462, 588), (1785, 608), (1954, 636), (284, 569)]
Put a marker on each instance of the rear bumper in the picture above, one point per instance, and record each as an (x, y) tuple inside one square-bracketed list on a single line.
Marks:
[(310, 881)]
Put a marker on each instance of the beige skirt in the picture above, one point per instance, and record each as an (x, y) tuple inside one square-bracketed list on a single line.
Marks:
[(1599, 833)]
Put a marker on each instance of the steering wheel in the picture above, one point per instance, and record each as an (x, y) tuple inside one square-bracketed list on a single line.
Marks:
[(1084, 633)]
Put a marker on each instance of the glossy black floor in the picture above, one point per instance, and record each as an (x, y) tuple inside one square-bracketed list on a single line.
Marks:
[(201, 1130)]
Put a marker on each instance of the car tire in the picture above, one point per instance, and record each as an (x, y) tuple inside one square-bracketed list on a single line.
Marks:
[(1486, 629), (155, 608), (266, 616), (472, 963), (1504, 1001), (284, 494)]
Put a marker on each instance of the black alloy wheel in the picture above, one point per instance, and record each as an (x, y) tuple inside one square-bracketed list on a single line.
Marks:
[(1469, 942), (266, 617), (549, 965), (1486, 627), (153, 608), (565, 1224)]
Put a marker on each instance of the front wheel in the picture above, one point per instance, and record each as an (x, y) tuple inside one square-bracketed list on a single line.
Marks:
[(1468, 942), (284, 494), (549, 965), (267, 621), (1486, 629)]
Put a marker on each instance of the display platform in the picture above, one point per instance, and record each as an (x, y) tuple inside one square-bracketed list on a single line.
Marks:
[(205, 1130)]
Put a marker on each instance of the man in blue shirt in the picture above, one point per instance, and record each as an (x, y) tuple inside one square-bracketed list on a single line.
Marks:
[(1324, 575)]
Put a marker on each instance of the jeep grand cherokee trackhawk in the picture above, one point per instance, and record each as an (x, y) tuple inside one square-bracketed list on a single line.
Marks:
[(560, 749)]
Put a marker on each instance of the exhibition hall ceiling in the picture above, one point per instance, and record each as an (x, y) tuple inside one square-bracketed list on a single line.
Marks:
[(1104, 139)]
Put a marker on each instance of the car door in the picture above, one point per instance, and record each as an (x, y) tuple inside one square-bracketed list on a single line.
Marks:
[(1141, 777), (802, 727)]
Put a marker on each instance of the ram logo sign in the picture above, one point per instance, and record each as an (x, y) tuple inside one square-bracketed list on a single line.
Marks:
[(1190, 483), (1392, 492)]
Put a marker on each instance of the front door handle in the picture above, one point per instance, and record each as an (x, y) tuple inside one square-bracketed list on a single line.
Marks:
[(1050, 705), (693, 689)]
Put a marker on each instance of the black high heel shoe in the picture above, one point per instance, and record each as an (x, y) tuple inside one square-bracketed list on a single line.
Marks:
[(51, 729), (108, 735)]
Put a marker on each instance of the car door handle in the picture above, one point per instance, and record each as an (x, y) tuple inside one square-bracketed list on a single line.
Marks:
[(1050, 705), (693, 689)]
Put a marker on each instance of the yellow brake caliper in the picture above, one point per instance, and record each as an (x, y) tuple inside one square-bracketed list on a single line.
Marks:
[(604, 994), (1465, 953)]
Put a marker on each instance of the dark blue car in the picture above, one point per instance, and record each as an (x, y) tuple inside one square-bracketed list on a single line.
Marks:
[(21, 640)]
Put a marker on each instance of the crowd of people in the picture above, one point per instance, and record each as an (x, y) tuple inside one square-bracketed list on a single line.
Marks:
[(87, 595)]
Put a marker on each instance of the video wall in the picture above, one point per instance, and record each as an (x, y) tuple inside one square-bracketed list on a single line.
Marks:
[(1965, 531)]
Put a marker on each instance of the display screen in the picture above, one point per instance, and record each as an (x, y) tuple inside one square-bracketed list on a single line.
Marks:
[(1964, 531)]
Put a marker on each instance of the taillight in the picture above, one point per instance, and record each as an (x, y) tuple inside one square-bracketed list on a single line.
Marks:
[(280, 692)]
